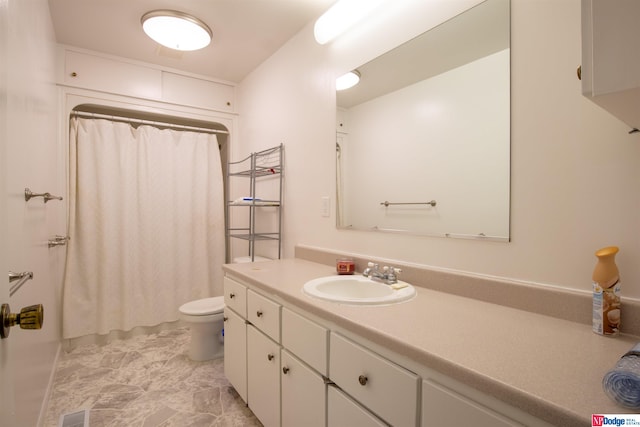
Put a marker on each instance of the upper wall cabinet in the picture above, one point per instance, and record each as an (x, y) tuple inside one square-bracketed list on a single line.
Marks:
[(611, 58), (106, 74), (197, 92)]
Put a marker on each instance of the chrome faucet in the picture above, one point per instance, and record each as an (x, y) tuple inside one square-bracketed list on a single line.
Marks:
[(388, 275)]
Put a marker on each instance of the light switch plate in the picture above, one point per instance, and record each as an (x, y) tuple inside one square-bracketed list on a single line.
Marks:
[(325, 206)]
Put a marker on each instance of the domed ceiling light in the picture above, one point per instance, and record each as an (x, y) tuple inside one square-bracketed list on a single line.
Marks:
[(176, 30), (348, 80)]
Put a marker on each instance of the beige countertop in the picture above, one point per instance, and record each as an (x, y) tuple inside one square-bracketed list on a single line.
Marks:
[(548, 367)]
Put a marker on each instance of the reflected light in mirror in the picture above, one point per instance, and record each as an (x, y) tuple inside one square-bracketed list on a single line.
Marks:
[(340, 17), (348, 80)]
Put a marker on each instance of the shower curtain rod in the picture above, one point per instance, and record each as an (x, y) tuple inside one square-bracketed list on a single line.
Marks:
[(145, 122)]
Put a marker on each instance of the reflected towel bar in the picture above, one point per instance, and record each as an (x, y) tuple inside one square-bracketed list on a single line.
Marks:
[(21, 278), (59, 241), (28, 195), (386, 203)]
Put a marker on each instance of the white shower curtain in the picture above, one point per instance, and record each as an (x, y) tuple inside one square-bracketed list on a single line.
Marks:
[(146, 222)]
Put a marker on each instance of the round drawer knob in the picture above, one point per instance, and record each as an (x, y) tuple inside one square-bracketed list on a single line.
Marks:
[(285, 370), (232, 295), (362, 379), (225, 318), (259, 313), (270, 356)]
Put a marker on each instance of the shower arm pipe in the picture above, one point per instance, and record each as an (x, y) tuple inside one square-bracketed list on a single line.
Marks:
[(133, 120), (21, 278), (28, 195)]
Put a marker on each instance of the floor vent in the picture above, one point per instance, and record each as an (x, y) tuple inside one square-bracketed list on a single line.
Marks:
[(75, 419)]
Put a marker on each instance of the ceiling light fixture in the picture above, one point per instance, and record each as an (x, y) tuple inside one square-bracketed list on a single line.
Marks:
[(176, 30), (348, 80), (340, 17)]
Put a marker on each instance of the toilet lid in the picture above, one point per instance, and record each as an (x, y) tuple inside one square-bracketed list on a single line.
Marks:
[(203, 306)]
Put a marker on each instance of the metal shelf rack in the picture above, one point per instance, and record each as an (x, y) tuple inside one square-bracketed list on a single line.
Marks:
[(262, 171)]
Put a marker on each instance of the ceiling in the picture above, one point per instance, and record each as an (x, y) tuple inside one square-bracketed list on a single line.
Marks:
[(245, 32)]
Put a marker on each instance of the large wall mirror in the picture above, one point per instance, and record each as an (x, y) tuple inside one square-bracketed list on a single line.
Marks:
[(423, 142)]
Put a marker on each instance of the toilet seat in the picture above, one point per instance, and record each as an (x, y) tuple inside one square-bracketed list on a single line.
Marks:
[(203, 307)]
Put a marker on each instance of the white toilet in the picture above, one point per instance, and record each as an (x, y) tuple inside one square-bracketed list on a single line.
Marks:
[(205, 318)]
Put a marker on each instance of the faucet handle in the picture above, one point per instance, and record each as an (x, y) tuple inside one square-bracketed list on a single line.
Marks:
[(372, 264), (393, 270)]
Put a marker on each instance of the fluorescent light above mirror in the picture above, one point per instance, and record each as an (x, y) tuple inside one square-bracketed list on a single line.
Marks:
[(340, 17), (176, 30), (348, 80)]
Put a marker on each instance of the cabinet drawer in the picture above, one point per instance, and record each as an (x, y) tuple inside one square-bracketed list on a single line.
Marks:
[(306, 339), (388, 390), (344, 411), (235, 296), (264, 314), (442, 406)]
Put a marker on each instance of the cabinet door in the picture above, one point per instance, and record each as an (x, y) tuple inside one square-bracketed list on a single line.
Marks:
[(235, 351), (197, 92), (303, 394), (344, 411), (263, 377), (442, 406), (109, 75), (610, 63)]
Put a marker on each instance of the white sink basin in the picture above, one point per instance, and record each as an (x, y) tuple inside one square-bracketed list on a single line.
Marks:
[(357, 289)]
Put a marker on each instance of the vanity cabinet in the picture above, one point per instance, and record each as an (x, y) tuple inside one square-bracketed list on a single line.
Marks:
[(610, 69), (282, 384), (299, 369)]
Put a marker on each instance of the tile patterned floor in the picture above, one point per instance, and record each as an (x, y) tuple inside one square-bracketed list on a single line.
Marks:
[(145, 381)]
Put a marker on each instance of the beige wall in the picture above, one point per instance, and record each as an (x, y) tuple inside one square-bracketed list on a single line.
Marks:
[(32, 161), (575, 170)]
